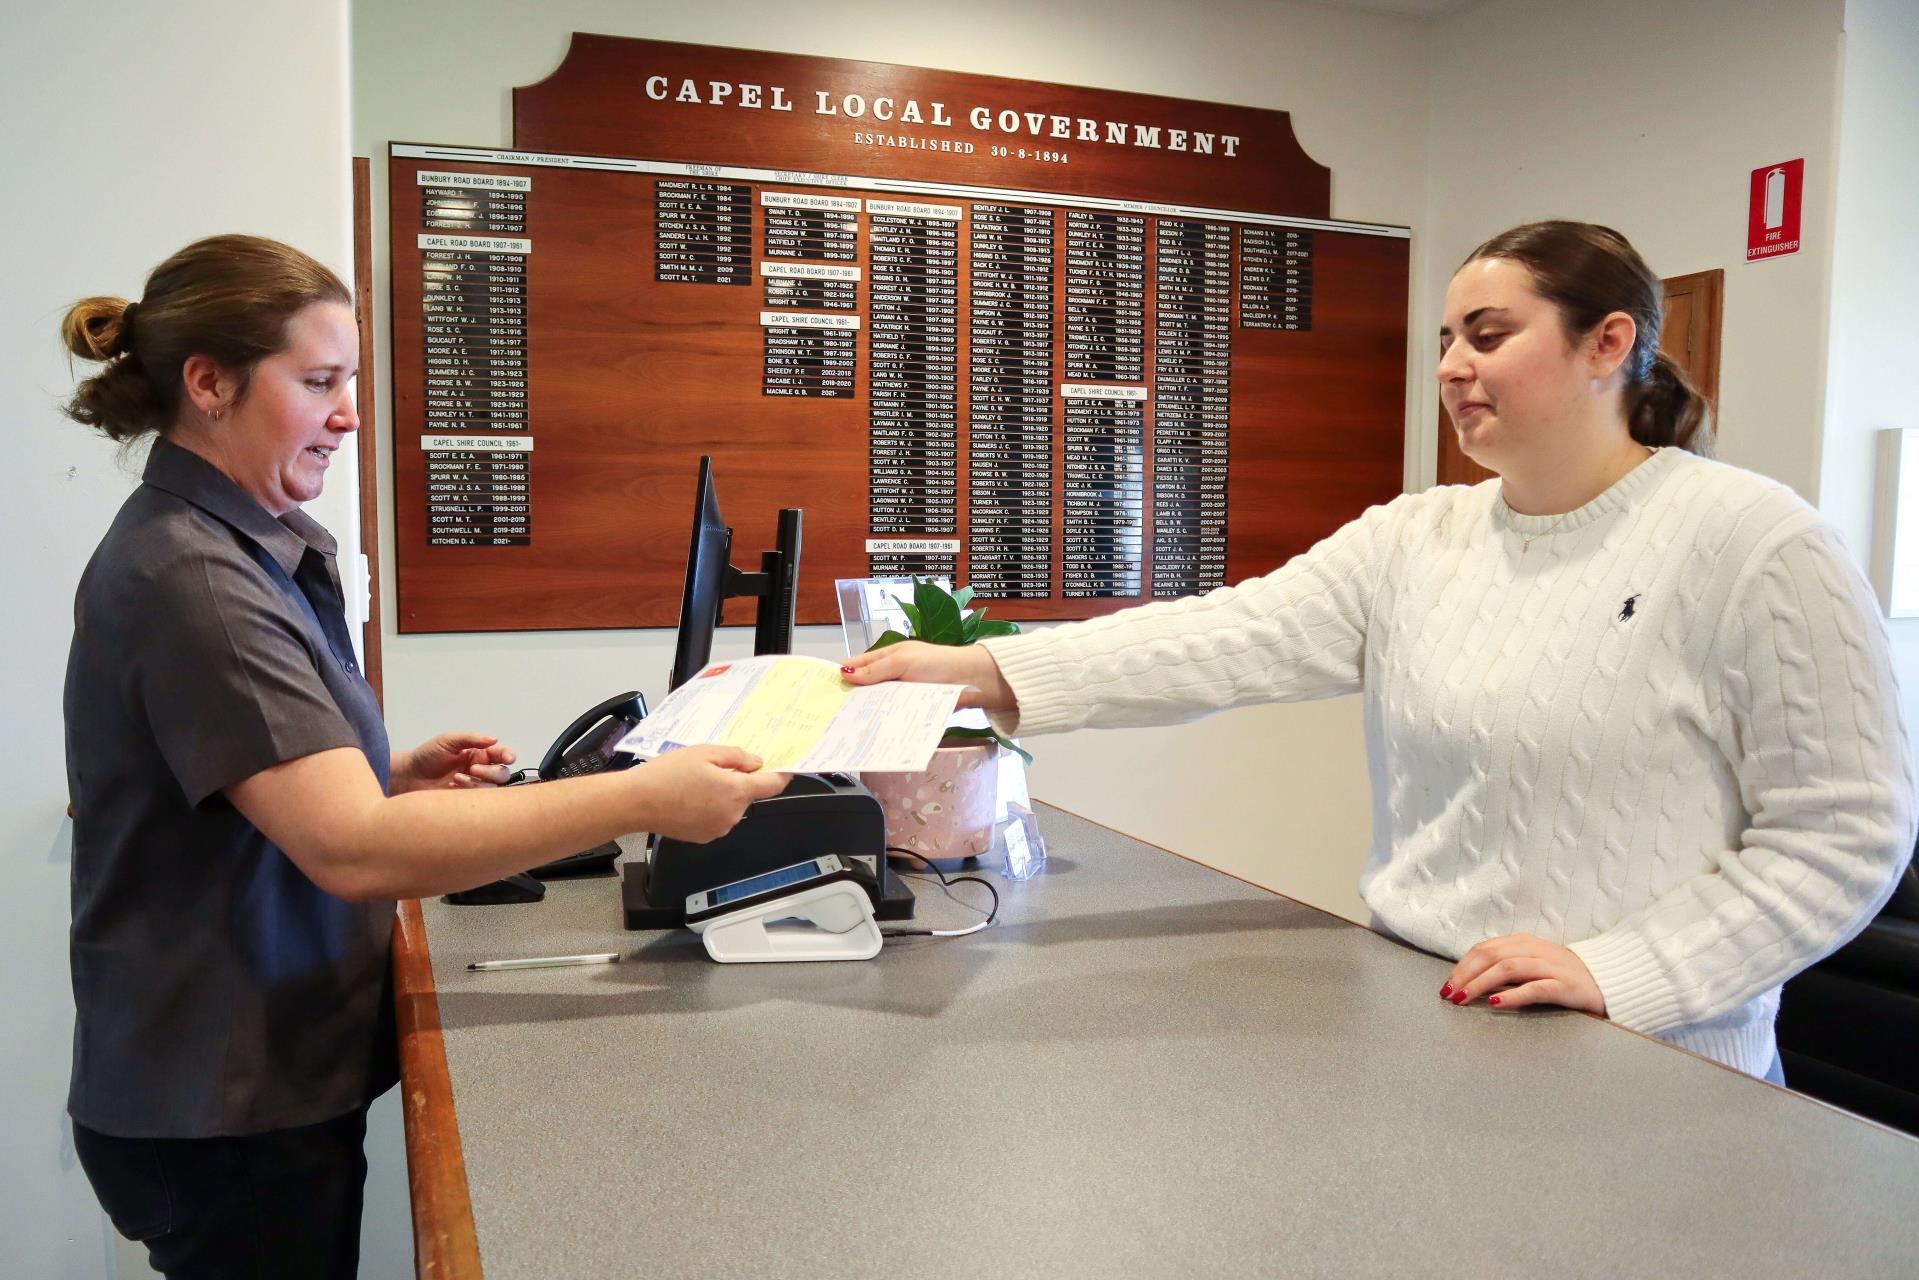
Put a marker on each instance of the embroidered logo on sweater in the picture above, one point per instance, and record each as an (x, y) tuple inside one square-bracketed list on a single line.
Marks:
[(1625, 610)]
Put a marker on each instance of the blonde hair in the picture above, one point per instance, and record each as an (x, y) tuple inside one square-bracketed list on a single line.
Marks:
[(226, 297)]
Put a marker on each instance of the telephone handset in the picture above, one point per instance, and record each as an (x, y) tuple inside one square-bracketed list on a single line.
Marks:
[(586, 745), (583, 747)]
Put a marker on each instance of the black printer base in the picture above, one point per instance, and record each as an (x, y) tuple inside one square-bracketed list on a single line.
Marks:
[(896, 900)]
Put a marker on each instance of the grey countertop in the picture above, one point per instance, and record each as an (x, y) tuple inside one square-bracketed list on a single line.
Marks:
[(1144, 1068)]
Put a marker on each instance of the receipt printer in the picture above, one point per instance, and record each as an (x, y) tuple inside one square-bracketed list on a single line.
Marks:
[(817, 814)]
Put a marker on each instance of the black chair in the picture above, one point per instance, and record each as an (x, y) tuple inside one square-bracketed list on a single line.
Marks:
[(1849, 1026)]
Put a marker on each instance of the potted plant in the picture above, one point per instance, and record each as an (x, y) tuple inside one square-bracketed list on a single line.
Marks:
[(948, 809)]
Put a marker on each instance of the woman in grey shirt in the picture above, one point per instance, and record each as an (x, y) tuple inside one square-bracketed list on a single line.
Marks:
[(241, 828)]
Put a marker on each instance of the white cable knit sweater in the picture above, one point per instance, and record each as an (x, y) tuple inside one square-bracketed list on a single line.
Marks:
[(1668, 736)]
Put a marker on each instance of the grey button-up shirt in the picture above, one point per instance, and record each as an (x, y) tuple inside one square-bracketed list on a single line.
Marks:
[(218, 990)]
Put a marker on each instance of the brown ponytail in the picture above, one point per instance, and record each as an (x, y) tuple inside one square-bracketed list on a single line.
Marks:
[(226, 297), (1666, 409), (1589, 272)]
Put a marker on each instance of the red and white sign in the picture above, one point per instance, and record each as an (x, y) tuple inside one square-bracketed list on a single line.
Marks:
[(1772, 224)]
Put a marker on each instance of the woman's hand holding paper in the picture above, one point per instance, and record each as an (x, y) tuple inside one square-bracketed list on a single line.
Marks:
[(917, 661)]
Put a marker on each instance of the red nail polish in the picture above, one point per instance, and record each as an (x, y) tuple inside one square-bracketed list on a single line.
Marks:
[(1459, 997), (846, 671), (1446, 992), (1492, 999)]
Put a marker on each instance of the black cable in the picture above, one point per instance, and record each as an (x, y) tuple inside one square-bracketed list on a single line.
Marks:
[(946, 883)]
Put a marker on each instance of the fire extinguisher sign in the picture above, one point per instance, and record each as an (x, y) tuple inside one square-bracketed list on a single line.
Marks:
[(1772, 223)]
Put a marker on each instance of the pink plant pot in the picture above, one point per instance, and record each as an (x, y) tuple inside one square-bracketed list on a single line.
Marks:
[(947, 810)]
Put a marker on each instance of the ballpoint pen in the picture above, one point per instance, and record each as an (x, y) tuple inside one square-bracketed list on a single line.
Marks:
[(546, 962)]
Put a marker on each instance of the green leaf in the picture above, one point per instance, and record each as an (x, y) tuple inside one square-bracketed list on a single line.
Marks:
[(890, 638), (939, 620), (987, 735), (964, 597), (912, 615), (996, 627), (1013, 746)]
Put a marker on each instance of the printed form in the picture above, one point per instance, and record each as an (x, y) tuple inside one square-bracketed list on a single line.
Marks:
[(799, 716)]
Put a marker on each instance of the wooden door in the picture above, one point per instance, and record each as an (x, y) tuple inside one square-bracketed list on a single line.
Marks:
[(1689, 334), (368, 441)]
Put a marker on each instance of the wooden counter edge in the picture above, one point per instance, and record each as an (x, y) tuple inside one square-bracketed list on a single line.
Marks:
[(444, 1245)]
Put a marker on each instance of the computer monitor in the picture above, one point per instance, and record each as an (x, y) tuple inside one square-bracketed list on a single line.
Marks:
[(711, 580), (829, 812), (705, 586)]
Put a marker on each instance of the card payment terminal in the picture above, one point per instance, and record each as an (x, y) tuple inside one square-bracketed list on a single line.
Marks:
[(821, 909)]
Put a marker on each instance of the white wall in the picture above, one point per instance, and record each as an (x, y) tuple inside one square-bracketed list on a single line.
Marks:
[(130, 133), (1278, 795), (1649, 116), (1875, 278)]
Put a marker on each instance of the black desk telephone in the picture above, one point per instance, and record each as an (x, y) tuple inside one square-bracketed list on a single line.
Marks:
[(586, 745), (583, 747)]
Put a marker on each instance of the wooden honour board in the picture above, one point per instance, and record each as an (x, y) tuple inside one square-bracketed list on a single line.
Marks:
[(1078, 372)]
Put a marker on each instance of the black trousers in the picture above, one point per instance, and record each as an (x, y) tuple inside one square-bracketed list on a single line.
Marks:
[(284, 1204)]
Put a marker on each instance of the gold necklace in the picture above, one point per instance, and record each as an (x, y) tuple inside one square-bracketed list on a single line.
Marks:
[(1527, 545)]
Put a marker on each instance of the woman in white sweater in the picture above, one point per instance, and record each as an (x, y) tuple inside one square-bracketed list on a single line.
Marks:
[(1633, 731)]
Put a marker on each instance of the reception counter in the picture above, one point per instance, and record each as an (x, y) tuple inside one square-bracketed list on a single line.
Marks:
[(1146, 1067)]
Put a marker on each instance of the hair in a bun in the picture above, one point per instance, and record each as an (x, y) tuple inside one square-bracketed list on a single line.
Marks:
[(118, 401), (226, 297), (95, 328)]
